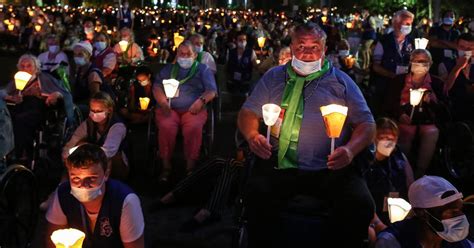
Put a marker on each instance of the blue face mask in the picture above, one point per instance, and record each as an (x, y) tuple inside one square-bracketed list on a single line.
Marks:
[(305, 68), (448, 21), (80, 61), (198, 49), (185, 63), (100, 45), (405, 29)]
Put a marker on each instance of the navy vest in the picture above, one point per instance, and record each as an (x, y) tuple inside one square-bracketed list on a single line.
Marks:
[(107, 228), (391, 55), (127, 18), (243, 66), (405, 231), (92, 131), (81, 85)]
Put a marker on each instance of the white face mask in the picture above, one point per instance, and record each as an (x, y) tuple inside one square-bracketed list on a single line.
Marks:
[(466, 54), (88, 30), (385, 147), (100, 45), (185, 63), (419, 68), (454, 229), (53, 49), (448, 21), (405, 29), (305, 68), (87, 195), (144, 82), (242, 44), (343, 53), (80, 61), (98, 117), (199, 49)]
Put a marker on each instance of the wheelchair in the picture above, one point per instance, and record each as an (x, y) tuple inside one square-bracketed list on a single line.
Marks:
[(18, 207)]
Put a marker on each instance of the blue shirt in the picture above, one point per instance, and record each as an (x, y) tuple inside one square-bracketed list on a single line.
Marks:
[(334, 87), (190, 90)]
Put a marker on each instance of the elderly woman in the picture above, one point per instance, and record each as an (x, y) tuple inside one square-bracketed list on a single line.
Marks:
[(28, 106), (422, 123), (188, 108), (133, 53)]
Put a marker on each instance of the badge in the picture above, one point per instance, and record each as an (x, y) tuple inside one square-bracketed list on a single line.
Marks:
[(401, 69), (105, 227)]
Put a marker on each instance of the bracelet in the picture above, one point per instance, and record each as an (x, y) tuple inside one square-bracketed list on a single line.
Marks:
[(203, 100)]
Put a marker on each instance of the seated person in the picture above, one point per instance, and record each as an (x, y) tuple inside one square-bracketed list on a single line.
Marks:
[(345, 61), (203, 57), (132, 54), (397, 104), (141, 87), (104, 128), (188, 108), (106, 210), (54, 57), (104, 56), (279, 57), (390, 173), (6, 135), (30, 105), (438, 219)]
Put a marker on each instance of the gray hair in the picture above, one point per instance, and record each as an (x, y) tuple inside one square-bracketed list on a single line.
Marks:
[(31, 57), (311, 28), (196, 35), (421, 51), (188, 44), (403, 13)]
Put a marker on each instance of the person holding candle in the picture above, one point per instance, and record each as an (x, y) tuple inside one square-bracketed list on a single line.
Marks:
[(30, 104), (106, 210), (132, 52), (141, 88), (438, 219), (298, 156), (398, 107), (196, 88)]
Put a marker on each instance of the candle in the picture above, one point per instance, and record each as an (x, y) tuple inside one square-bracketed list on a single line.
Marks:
[(144, 101), (334, 117), (270, 113), (68, 238)]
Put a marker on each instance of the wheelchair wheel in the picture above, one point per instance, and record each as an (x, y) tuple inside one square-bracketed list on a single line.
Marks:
[(208, 132), (18, 207)]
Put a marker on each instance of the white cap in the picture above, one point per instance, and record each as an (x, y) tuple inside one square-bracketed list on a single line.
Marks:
[(84, 45), (429, 192)]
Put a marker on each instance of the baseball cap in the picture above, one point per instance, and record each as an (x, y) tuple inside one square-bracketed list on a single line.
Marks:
[(432, 191), (85, 45)]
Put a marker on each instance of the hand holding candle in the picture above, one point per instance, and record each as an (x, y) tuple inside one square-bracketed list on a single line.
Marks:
[(416, 95), (270, 113), (334, 117), (171, 86), (21, 79), (123, 45)]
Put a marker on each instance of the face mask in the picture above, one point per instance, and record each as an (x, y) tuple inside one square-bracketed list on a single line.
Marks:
[(87, 195), (385, 147), (343, 53), (454, 229), (100, 45), (238, 26), (199, 48), (80, 61), (144, 82), (466, 54), (242, 44), (98, 117), (185, 63), (88, 30), (419, 68), (53, 49), (305, 68), (214, 36), (448, 21), (405, 29)]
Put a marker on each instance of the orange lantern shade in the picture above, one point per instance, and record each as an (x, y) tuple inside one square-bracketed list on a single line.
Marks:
[(68, 238), (261, 41), (155, 50), (334, 117), (21, 79), (178, 39), (144, 101), (324, 19), (350, 61)]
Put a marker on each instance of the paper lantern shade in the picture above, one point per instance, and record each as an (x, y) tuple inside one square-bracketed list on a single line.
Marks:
[(349, 25), (349, 61), (11, 27), (73, 149), (334, 117), (144, 101), (270, 113), (421, 43), (207, 26), (123, 45), (21, 79), (171, 86), (68, 238), (416, 95), (324, 19), (398, 209), (261, 41), (37, 28), (178, 39)]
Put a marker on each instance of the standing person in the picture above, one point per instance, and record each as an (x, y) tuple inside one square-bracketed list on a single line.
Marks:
[(125, 17), (392, 54), (298, 158), (106, 210), (240, 64), (439, 220)]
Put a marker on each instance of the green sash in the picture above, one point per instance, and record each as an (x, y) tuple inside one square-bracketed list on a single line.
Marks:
[(199, 57), (292, 102), (192, 72)]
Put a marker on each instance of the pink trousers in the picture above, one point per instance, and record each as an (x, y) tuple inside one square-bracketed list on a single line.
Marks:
[(191, 126)]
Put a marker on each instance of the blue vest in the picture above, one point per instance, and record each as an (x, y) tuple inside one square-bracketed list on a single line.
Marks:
[(127, 15), (107, 228), (243, 66), (405, 231), (391, 55)]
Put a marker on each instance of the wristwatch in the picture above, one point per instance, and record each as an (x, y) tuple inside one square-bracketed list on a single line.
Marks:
[(203, 100)]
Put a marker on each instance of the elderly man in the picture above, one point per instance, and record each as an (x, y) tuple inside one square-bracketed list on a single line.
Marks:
[(106, 210), (392, 54), (438, 222), (197, 87), (298, 157), (203, 57)]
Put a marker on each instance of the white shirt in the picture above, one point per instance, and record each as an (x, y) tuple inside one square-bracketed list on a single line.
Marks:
[(109, 61), (132, 224), (208, 60), (47, 64)]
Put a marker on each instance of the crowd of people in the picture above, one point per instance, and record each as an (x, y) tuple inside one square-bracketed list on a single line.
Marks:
[(99, 61)]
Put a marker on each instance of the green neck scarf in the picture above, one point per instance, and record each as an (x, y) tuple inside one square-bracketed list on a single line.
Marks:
[(192, 72), (199, 57), (293, 104)]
